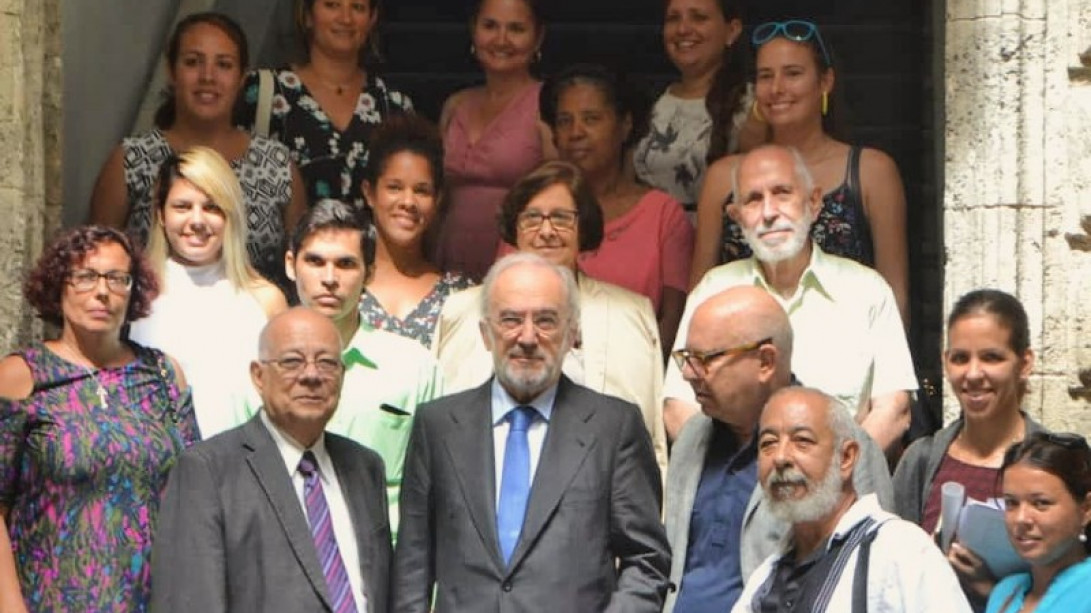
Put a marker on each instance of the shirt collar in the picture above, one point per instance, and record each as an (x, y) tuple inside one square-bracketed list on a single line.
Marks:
[(291, 451), (815, 276), (353, 353), (503, 403)]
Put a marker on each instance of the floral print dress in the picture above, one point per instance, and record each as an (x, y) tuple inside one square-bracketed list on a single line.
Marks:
[(331, 161), (421, 322), (83, 463)]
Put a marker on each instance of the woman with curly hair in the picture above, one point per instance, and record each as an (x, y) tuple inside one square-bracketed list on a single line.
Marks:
[(89, 427)]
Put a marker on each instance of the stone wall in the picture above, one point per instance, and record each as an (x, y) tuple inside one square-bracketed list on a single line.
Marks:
[(30, 145), (1017, 194)]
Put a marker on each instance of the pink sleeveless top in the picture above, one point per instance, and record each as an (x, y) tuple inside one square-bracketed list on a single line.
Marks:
[(480, 174)]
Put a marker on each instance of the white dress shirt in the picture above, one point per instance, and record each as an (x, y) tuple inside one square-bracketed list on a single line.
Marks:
[(343, 530), (502, 404), (906, 571), (848, 336)]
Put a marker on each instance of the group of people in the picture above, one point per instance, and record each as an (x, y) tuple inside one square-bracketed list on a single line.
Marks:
[(277, 385)]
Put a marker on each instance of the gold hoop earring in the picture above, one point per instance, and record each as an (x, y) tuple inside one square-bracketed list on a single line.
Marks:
[(756, 112), (825, 104)]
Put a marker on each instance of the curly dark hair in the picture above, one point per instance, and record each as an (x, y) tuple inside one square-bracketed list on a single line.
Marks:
[(45, 283), (547, 175)]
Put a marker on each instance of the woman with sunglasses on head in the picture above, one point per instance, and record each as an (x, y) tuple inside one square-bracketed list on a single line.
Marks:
[(863, 211), (404, 192), (1047, 511), (704, 115), (492, 133), (647, 241), (90, 425), (206, 62), (325, 107), (552, 212), (213, 304), (988, 362)]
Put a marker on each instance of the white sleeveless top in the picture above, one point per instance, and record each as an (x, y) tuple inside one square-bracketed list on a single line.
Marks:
[(212, 330)]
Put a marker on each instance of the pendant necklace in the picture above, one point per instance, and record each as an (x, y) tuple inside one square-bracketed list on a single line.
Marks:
[(100, 389)]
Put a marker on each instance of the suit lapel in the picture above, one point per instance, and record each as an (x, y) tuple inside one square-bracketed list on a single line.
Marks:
[(268, 467), (361, 508), (470, 448), (594, 325), (566, 445)]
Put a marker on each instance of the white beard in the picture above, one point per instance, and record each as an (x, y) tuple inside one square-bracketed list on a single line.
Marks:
[(786, 249), (821, 499)]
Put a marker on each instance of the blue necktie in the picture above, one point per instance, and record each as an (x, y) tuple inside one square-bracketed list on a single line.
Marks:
[(514, 481)]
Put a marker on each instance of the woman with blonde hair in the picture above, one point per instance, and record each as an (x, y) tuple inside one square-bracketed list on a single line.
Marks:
[(213, 304)]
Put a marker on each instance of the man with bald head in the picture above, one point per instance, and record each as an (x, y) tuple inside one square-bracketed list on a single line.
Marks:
[(738, 353), (277, 514), (849, 339), (844, 553)]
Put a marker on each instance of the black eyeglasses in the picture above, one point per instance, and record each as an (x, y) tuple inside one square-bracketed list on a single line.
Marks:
[(562, 219), (699, 360), (85, 279), (799, 30)]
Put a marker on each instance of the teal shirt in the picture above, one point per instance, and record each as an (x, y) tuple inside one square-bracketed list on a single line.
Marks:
[(383, 368)]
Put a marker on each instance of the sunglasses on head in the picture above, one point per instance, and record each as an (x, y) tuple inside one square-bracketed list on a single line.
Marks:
[(798, 30), (1072, 442)]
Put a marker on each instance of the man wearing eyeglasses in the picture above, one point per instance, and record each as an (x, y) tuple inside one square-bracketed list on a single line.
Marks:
[(278, 515), (530, 493), (738, 353), (849, 339)]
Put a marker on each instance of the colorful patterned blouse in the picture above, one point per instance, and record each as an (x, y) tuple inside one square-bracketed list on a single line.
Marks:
[(83, 462), (421, 322), (332, 162)]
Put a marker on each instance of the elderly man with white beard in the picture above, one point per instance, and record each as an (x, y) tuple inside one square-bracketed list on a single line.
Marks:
[(844, 553), (849, 338)]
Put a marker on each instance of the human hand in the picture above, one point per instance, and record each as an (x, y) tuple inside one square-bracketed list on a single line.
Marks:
[(973, 573)]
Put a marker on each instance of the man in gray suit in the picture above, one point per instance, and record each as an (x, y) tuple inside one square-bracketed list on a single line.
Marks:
[(277, 515), (530, 492), (738, 353)]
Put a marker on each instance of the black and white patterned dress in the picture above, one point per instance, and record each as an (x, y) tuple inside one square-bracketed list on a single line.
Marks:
[(265, 177), (333, 162)]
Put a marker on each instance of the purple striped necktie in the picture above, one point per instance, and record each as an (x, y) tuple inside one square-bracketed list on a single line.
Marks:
[(329, 556)]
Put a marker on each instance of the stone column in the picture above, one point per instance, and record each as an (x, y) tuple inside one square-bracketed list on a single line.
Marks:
[(1017, 191), (30, 154)]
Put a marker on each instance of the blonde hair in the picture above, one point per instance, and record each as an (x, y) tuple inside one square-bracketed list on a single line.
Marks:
[(209, 172)]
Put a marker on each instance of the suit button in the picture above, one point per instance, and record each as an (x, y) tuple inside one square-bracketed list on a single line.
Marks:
[(506, 586)]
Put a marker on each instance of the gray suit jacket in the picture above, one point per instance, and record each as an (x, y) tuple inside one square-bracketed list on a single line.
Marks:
[(761, 531), (233, 536), (591, 539)]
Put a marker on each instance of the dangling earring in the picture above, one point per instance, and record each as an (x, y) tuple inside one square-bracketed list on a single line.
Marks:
[(538, 55), (473, 50), (825, 104), (756, 112)]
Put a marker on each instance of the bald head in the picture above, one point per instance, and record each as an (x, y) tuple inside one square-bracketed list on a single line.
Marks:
[(295, 317), (747, 314), (738, 350), (298, 373)]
